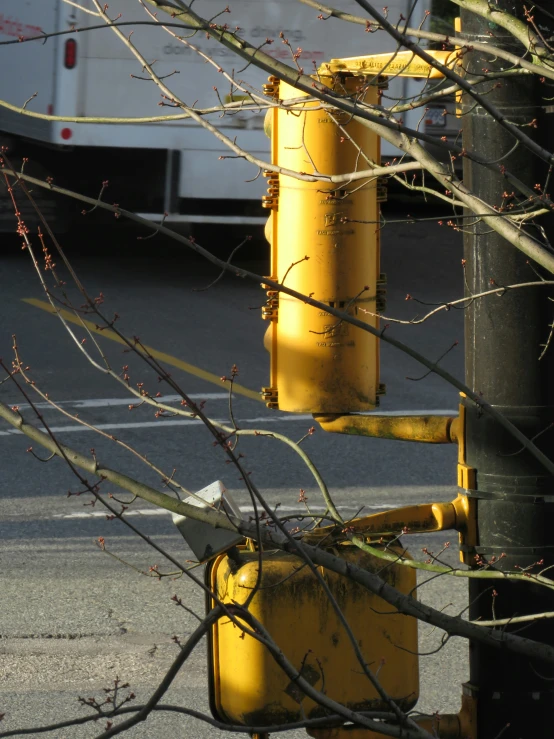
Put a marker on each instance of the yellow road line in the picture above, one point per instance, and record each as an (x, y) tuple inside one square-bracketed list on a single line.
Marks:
[(161, 356)]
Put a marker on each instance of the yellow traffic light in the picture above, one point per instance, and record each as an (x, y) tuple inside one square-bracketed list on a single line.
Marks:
[(324, 243), (248, 687), (325, 238)]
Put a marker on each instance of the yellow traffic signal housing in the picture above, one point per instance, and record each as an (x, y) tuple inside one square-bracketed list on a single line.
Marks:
[(325, 239), (247, 686), (396, 63), (324, 243)]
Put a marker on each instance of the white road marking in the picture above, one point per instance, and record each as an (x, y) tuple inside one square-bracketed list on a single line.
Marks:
[(244, 509), (157, 424), (112, 402), (168, 399)]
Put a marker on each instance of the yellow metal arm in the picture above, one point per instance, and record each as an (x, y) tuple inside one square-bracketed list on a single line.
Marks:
[(462, 725), (415, 519), (399, 63), (430, 429)]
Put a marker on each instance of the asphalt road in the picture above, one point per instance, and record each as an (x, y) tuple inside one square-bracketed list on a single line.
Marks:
[(74, 617)]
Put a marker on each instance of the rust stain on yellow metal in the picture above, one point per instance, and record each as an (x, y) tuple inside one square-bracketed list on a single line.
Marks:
[(249, 688), (462, 725), (324, 243), (455, 430), (445, 726), (344, 732), (429, 429), (468, 712)]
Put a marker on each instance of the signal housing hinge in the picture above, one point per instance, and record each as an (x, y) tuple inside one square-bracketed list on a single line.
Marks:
[(271, 200), (271, 87), (270, 395)]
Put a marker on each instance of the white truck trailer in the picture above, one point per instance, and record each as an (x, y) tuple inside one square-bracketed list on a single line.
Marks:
[(155, 168)]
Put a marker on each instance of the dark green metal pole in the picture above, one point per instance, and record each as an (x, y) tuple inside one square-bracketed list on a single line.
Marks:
[(504, 337)]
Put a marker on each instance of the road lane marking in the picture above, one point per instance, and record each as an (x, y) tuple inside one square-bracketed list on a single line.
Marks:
[(168, 399), (158, 424), (113, 402), (243, 509), (190, 369), (195, 422)]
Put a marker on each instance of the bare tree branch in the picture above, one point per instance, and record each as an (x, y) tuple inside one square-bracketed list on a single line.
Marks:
[(341, 315), (370, 581)]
